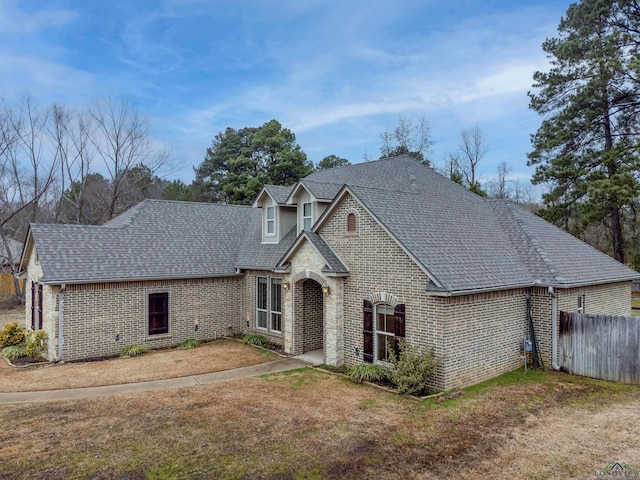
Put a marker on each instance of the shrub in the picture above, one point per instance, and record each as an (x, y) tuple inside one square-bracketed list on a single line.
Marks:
[(412, 368), (133, 350), (190, 343), (366, 372), (36, 343), (14, 351), (255, 339), (12, 334)]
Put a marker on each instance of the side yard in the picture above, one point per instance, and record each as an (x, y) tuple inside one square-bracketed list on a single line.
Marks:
[(307, 424)]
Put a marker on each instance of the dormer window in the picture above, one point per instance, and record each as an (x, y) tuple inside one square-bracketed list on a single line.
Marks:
[(307, 216), (271, 220)]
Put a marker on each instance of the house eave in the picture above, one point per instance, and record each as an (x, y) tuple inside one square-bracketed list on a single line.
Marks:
[(472, 291), (84, 281)]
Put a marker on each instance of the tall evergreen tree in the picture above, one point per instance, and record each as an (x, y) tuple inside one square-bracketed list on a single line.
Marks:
[(587, 145), (240, 162)]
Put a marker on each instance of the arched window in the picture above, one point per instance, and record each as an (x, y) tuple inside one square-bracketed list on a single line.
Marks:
[(352, 225)]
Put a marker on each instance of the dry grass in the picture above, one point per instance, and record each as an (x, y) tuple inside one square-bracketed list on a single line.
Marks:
[(156, 365), (307, 424)]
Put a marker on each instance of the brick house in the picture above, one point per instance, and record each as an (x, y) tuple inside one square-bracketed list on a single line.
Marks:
[(347, 260)]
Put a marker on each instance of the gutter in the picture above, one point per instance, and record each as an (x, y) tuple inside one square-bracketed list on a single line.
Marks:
[(134, 279), (554, 329), (63, 287), (457, 293)]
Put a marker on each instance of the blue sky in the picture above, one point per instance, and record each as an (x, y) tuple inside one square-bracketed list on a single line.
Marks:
[(337, 73)]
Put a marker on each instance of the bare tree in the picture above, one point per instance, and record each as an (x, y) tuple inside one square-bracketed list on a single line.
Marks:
[(472, 150), (500, 188), (25, 175), (408, 138), (122, 142)]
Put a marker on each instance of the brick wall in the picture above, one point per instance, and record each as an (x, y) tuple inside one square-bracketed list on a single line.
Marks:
[(483, 335), (378, 265), (607, 299), (100, 319), (309, 316)]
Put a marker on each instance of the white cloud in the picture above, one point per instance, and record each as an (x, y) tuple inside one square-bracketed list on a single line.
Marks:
[(13, 20)]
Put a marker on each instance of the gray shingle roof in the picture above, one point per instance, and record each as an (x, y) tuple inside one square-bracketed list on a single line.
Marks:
[(464, 242), (159, 239), (334, 264), (279, 193), (258, 256)]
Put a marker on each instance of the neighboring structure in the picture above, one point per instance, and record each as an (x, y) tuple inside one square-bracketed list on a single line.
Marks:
[(347, 260), (8, 265)]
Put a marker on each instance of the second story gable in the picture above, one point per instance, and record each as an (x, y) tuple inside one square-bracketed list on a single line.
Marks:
[(278, 218)]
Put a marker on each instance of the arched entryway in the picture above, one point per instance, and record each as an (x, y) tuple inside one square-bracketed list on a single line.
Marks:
[(308, 316)]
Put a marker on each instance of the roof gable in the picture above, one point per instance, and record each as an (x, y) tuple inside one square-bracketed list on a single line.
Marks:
[(334, 265)]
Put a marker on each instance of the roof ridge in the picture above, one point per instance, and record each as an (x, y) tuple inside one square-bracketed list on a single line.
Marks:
[(534, 242)]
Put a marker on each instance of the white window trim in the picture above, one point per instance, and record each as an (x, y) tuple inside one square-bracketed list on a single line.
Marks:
[(271, 310), (258, 309), (381, 332), (310, 216), (268, 311), (268, 220)]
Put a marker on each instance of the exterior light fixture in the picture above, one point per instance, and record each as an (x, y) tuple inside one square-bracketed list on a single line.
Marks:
[(285, 286), (326, 290)]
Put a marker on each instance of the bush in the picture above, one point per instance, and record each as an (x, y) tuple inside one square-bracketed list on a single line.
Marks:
[(36, 343), (412, 368), (12, 334), (366, 372), (133, 350), (255, 339), (190, 343), (14, 351)]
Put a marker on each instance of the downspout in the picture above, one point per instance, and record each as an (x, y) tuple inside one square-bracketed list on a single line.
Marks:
[(60, 321), (554, 329)]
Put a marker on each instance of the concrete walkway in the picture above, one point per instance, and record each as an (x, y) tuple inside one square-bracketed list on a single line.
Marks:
[(190, 381)]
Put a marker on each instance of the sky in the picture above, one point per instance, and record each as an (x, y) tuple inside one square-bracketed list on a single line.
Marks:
[(336, 73)]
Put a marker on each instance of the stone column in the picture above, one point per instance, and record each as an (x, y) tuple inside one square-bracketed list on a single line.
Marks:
[(334, 323)]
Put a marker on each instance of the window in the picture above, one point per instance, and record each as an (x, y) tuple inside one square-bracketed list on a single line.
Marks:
[(33, 305), (385, 332), (39, 306), (261, 303), (158, 313), (307, 217), (581, 304), (380, 338), (276, 305), (271, 220), (351, 223)]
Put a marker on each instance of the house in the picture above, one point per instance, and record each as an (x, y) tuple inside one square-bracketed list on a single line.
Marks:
[(10, 264), (347, 260)]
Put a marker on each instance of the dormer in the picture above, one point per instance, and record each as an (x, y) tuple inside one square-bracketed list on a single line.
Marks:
[(311, 199), (278, 218)]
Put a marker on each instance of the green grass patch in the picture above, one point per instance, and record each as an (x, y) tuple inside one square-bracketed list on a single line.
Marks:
[(515, 377), (255, 339), (133, 351), (191, 343), (366, 372), (14, 351)]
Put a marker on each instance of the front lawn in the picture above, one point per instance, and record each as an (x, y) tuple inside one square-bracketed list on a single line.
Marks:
[(307, 424), (155, 365)]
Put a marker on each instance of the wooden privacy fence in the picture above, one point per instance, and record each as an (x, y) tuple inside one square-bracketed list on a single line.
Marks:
[(7, 287), (600, 346)]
